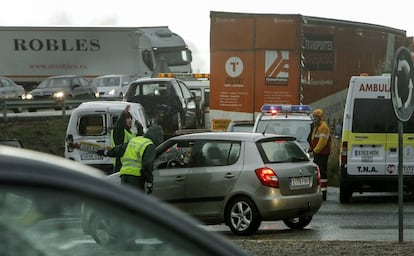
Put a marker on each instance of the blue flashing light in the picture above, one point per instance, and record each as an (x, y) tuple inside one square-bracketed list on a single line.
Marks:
[(274, 109)]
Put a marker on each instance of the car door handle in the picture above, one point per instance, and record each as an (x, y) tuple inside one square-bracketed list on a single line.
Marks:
[(410, 138), (179, 178), (229, 175)]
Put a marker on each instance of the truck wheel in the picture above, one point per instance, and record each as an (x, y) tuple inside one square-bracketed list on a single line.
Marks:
[(345, 192), (298, 223), (242, 216)]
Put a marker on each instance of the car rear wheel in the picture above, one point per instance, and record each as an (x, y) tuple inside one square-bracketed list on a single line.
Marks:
[(298, 223), (108, 234), (242, 216)]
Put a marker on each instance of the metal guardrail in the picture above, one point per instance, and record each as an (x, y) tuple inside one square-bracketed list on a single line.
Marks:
[(7, 106)]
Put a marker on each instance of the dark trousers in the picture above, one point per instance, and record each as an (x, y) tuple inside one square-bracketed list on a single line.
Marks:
[(322, 162), (137, 182)]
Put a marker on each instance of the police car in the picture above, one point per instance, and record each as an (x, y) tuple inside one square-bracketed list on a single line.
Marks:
[(293, 120)]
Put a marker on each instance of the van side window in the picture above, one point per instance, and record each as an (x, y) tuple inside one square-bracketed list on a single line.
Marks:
[(91, 125)]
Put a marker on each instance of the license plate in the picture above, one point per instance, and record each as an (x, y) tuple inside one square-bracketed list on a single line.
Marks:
[(90, 156), (299, 181)]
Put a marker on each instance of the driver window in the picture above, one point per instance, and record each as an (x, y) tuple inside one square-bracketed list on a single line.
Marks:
[(178, 155)]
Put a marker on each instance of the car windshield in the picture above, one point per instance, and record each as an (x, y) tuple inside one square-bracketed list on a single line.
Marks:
[(282, 150), (55, 83), (106, 81), (39, 221)]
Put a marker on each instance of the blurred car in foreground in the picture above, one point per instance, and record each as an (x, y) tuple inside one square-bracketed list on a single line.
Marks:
[(10, 90), (62, 87), (12, 143), (112, 86), (42, 197), (237, 178)]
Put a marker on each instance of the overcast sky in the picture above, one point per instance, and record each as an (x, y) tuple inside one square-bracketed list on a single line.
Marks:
[(191, 19)]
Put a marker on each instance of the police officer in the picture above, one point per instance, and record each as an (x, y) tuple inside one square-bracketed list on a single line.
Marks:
[(137, 158), (320, 146)]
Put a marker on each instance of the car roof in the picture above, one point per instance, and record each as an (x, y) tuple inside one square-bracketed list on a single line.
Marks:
[(112, 75), (149, 79), (108, 104), (63, 76), (237, 136)]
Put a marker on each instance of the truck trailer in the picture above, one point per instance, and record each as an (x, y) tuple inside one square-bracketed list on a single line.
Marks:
[(31, 54), (258, 59)]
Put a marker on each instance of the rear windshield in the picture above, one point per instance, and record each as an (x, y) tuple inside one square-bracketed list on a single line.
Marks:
[(153, 88), (377, 116), (91, 125), (296, 128), (281, 151)]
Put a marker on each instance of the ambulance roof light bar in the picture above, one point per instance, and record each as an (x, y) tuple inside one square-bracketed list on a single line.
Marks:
[(274, 109)]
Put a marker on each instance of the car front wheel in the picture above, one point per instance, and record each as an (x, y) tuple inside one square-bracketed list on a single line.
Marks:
[(298, 223), (242, 216)]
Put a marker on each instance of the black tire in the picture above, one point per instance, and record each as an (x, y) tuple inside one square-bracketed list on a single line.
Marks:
[(345, 192), (242, 216), (298, 223), (109, 234)]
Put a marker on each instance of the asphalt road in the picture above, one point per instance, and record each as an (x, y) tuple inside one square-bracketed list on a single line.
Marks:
[(368, 217)]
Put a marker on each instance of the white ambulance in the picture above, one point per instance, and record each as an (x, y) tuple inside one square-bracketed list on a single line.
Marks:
[(369, 151), (89, 129)]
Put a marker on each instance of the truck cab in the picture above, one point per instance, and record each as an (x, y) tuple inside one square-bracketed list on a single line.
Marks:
[(293, 120)]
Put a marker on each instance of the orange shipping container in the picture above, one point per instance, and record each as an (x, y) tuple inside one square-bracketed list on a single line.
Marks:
[(255, 60)]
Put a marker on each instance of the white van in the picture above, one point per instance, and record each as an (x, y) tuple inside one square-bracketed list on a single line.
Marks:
[(369, 152), (89, 129)]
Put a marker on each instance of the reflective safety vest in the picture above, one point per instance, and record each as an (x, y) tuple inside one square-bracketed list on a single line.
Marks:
[(132, 158), (321, 140), (127, 136)]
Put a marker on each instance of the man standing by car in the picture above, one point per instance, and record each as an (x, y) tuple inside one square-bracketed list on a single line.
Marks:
[(121, 133), (320, 146), (137, 158)]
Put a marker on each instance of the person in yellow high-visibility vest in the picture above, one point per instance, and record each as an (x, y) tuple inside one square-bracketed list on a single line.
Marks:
[(137, 157), (121, 133)]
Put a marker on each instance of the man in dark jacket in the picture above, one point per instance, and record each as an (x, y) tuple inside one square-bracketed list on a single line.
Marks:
[(121, 133)]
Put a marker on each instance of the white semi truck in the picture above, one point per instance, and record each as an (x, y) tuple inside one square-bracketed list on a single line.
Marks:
[(30, 54)]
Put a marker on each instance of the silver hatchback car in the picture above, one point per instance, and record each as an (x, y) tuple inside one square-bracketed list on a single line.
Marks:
[(239, 179)]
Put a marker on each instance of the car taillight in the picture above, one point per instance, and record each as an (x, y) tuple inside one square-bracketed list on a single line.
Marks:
[(267, 177), (344, 153)]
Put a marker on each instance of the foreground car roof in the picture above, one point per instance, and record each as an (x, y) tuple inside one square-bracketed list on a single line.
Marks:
[(47, 181)]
